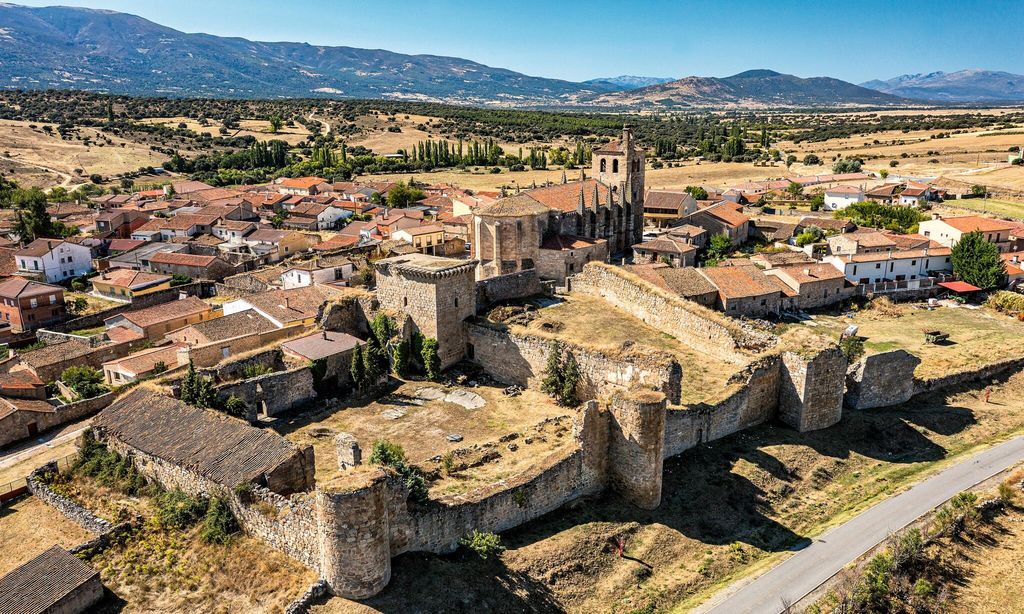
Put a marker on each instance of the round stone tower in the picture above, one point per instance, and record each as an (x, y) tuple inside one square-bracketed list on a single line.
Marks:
[(355, 551), (636, 446)]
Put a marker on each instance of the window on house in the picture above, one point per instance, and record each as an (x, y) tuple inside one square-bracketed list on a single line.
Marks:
[(33, 303), (405, 301), (615, 166), (604, 165)]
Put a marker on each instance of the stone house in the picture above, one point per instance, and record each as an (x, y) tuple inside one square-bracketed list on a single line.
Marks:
[(20, 418), (687, 282), (562, 255), (744, 291), (141, 364), (723, 218), (664, 208), (164, 434), (333, 350), (437, 294), (194, 266), (48, 362), (677, 251), (815, 284), (22, 385), (53, 260), (315, 216), (237, 324), (286, 307), (155, 322), (126, 284), (28, 305), (187, 225), (233, 231), (55, 582), (119, 223)]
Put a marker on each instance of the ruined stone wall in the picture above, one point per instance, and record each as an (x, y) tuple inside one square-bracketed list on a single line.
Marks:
[(520, 359), (752, 399), (229, 370), (350, 315), (690, 323), (989, 371), (635, 447), (66, 506), (881, 380), (507, 287), (811, 392), (273, 393)]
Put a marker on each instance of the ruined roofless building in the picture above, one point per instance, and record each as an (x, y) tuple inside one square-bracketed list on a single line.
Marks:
[(605, 211)]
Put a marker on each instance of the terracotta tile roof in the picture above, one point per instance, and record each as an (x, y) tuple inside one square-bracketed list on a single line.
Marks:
[(246, 322), (223, 449), (569, 242), (649, 273), (180, 259), (519, 205), (566, 196), (773, 259), (825, 223), (336, 242), (128, 278), (668, 199), (39, 248), (844, 189), (184, 221), (423, 230), (143, 362), (20, 380), (898, 255), (970, 223), (613, 146), (120, 334), (267, 235), (124, 245), (10, 405), (291, 305), (687, 282), (666, 244), (873, 239), (164, 312), (301, 183), (322, 344), (18, 287), (726, 214), (811, 272), (188, 187), (38, 585), (206, 239), (739, 281), (885, 191), (55, 353), (216, 194)]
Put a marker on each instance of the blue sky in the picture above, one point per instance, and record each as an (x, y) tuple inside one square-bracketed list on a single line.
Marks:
[(850, 40)]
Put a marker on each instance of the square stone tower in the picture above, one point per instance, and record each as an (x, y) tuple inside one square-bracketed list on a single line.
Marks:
[(438, 294)]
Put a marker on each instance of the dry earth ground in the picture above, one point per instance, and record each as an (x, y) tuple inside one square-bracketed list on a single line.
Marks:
[(29, 526), (728, 508)]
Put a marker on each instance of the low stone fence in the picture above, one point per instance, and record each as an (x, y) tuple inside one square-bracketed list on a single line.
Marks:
[(695, 325), (72, 510), (512, 358), (301, 605)]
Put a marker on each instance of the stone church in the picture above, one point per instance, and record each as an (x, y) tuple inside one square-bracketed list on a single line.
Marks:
[(557, 229)]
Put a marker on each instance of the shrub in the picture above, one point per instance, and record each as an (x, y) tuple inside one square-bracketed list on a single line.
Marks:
[(392, 455), (85, 380), (431, 360), (236, 406), (255, 369), (179, 510), (907, 550), (952, 516), (484, 544), (852, 347), (219, 523), (448, 463), (1007, 493), (1006, 302), (107, 467)]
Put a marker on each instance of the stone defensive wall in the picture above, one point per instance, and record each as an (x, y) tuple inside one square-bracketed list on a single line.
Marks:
[(518, 359), (887, 378), (695, 325), (272, 393), (507, 287)]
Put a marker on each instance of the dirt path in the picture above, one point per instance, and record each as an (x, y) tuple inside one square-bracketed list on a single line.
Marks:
[(65, 177)]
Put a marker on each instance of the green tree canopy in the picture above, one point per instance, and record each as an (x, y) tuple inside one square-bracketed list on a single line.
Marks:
[(977, 262), (403, 195)]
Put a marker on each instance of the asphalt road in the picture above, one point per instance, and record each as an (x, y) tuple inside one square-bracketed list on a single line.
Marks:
[(803, 572)]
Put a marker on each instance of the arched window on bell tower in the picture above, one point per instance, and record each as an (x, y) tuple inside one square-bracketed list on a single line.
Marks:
[(615, 166), (604, 165)]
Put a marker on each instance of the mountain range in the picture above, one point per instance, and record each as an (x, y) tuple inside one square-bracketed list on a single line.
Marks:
[(108, 51), (750, 89), (972, 85)]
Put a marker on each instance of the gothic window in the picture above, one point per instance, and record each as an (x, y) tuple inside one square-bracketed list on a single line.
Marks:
[(615, 166), (604, 165)]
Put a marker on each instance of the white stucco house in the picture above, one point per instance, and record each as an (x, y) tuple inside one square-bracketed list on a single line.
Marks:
[(53, 260), (842, 196)]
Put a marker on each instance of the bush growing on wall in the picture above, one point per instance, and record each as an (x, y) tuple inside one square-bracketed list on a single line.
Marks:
[(484, 544), (391, 455)]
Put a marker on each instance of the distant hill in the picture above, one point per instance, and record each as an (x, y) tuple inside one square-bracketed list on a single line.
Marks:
[(627, 82), (751, 89), (61, 47), (972, 85)]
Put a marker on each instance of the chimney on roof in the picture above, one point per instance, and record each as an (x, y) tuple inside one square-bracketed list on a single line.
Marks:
[(807, 271), (936, 216), (325, 335), (287, 302), (1015, 259)]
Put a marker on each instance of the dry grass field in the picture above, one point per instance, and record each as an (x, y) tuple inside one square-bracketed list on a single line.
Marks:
[(728, 508), (976, 336), (421, 427), (36, 151), (29, 526), (259, 129)]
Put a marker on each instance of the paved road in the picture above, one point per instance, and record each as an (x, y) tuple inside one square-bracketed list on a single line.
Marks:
[(16, 456), (803, 572)]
